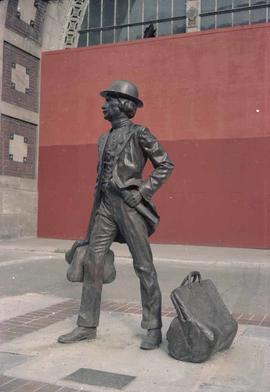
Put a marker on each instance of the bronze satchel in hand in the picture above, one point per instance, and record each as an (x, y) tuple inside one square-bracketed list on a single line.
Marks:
[(76, 257)]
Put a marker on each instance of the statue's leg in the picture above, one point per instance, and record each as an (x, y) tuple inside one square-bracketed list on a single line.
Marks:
[(102, 236), (133, 228)]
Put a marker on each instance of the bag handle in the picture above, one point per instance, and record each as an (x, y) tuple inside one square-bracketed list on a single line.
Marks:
[(194, 275), (70, 253)]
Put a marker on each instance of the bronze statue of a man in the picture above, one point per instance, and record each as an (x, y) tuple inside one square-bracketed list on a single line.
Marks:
[(123, 212)]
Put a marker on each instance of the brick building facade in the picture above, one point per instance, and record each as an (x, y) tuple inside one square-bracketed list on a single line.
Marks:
[(26, 28)]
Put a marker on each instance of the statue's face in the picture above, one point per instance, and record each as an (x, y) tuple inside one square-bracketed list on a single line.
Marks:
[(110, 108)]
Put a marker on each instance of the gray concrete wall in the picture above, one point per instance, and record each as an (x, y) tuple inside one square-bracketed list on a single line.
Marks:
[(18, 207), (55, 24)]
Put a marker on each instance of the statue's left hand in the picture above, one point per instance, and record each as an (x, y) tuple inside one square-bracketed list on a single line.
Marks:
[(132, 198)]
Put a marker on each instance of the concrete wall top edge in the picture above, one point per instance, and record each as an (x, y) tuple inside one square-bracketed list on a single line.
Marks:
[(156, 40)]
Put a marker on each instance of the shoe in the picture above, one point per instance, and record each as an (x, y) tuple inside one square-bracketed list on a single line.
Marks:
[(152, 340), (78, 334)]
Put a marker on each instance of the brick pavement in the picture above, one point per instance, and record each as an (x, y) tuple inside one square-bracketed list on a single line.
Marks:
[(33, 321)]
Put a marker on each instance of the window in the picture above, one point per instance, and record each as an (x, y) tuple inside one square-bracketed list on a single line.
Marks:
[(108, 21), (227, 13)]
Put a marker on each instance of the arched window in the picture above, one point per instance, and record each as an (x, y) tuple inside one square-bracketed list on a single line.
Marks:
[(108, 21)]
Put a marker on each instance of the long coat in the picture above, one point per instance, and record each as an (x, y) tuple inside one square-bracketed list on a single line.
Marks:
[(130, 159)]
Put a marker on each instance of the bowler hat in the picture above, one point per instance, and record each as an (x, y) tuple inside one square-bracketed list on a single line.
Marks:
[(123, 89)]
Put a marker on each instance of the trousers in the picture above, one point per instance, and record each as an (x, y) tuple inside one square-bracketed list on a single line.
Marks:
[(113, 215)]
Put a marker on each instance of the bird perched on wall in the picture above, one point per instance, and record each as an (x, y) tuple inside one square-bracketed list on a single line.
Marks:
[(150, 31)]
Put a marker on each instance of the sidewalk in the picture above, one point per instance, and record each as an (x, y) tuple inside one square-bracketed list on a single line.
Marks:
[(45, 305), (33, 361), (177, 253)]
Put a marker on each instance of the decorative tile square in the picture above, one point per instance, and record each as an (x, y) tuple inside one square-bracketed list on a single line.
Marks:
[(100, 378), (18, 147), (26, 17), (10, 360), (20, 78), (27, 10)]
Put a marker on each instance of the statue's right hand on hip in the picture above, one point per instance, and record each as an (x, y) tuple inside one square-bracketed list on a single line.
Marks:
[(132, 197)]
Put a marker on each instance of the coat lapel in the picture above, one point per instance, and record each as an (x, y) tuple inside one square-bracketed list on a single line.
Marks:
[(127, 133), (102, 148)]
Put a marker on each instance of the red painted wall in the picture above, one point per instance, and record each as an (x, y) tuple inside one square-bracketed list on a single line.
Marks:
[(206, 98)]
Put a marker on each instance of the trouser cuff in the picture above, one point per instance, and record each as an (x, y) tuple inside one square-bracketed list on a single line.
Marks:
[(154, 324), (81, 322)]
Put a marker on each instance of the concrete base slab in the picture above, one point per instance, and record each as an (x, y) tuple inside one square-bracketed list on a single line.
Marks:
[(245, 367), (21, 304)]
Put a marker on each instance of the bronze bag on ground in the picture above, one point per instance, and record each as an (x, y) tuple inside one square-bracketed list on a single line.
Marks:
[(75, 257), (203, 324)]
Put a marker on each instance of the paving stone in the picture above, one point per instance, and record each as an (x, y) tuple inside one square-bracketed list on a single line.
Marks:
[(51, 388), (266, 321), (105, 305), (257, 317), (251, 322), (245, 316), (14, 385), (65, 389), (30, 386), (257, 332), (243, 321), (220, 388), (100, 378), (10, 360), (5, 379)]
